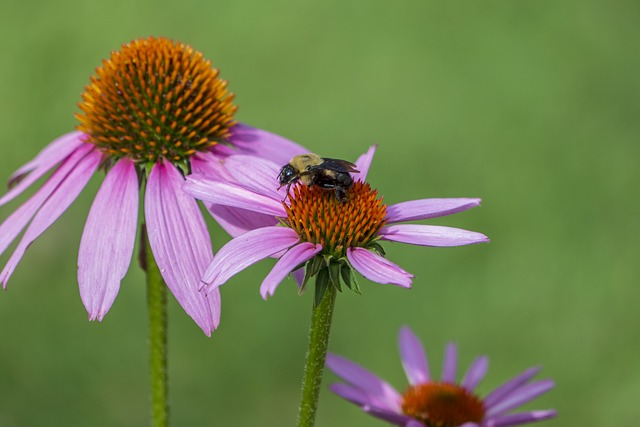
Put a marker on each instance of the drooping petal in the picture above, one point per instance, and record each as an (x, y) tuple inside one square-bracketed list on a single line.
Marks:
[(519, 397), (108, 239), (392, 417), (246, 250), (222, 193), (475, 373), (363, 163), (378, 269), (295, 256), (298, 276), (55, 205), (352, 394), (370, 403), (431, 235), (180, 243), (234, 221), (362, 379), (505, 389), (428, 208), (50, 156), (16, 222), (413, 357), (260, 143), (450, 363), (237, 221), (522, 418)]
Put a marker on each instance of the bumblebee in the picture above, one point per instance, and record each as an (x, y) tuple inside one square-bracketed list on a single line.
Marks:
[(311, 169)]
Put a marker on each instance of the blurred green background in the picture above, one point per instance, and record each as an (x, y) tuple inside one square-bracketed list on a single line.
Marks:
[(532, 105)]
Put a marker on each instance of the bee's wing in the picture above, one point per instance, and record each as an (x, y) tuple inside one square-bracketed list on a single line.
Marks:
[(336, 165)]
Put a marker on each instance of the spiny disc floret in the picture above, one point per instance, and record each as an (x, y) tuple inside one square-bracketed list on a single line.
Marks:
[(156, 98), (318, 217)]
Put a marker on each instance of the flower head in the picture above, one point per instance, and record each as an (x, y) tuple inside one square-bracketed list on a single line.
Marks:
[(154, 111), (312, 228), (438, 403)]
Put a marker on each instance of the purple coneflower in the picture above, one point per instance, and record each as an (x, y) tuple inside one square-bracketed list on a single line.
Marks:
[(153, 112), (444, 403), (329, 237)]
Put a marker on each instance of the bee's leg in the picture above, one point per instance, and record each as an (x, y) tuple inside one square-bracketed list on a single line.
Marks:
[(341, 194), (287, 195)]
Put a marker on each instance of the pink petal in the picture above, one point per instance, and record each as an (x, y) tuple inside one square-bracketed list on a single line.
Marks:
[(371, 404), (246, 250), (298, 276), (14, 224), (238, 221), (355, 375), (450, 363), (295, 256), (180, 243), (364, 162), (428, 208), (413, 356), (475, 373), (54, 206), (234, 221), (54, 153), (431, 235), (263, 178), (210, 166), (258, 142), (378, 269), (108, 239), (521, 418), (508, 387), (221, 193), (519, 397), (353, 394)]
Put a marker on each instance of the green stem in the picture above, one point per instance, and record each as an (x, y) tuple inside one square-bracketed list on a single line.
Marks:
[(157, 304), (316, 356)]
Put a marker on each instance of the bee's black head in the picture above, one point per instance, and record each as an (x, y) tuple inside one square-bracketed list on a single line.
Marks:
[(287, 175)]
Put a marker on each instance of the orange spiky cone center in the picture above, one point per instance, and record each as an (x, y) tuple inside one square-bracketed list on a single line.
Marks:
[(156, 98), (440, 404), (319, 217)]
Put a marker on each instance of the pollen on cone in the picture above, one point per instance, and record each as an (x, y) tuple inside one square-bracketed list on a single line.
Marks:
[(156, 98), (319, 217)]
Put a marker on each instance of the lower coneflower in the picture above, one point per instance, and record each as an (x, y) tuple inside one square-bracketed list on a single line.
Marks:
[(328, 237), (154, 111), (439, 403)]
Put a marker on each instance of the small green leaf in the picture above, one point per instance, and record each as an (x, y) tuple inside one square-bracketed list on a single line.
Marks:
[(376, 247), (334, 274), (350, 279), (322, 283), (311, 268)]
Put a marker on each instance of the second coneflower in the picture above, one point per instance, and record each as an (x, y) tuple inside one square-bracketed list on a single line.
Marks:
[(322, 234), (327, 237)]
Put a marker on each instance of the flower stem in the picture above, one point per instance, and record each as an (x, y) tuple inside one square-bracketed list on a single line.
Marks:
[(157, 305), (316, 356)]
